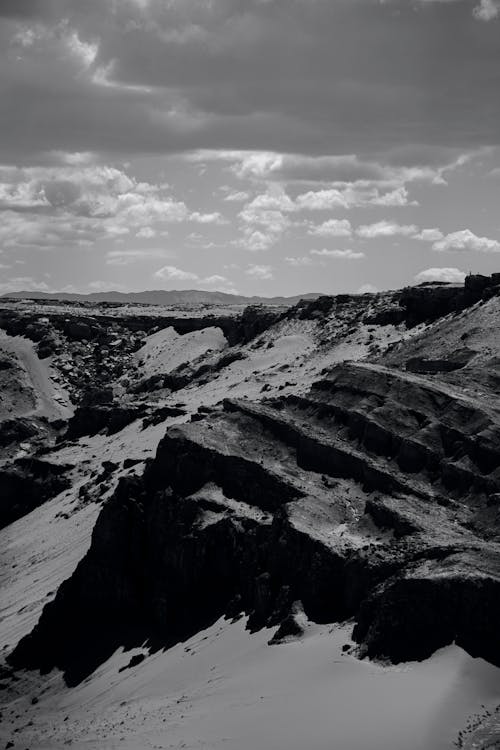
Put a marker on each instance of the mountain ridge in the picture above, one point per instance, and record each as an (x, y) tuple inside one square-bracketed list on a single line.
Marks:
[(162, 297)]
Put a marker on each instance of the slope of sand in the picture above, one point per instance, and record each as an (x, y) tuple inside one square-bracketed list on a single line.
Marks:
[(166, 349), (228, 688), (43, 398)]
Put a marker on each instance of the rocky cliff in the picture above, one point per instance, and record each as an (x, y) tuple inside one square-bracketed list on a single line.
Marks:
[(375, 497)]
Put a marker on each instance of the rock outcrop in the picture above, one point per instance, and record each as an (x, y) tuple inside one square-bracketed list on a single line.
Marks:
[(431, 301), (26, 484), (372, 497)]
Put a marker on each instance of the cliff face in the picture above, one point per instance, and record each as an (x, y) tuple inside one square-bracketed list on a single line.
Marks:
[(374, 497)]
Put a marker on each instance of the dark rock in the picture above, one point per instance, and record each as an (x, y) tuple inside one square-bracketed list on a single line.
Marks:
[(455, 361), (89, 420), (129, 462), (292, 626), (27, 483), (391, 315), (254, 320), (159, 415), (18, 430), (428, 302), (94, 395)]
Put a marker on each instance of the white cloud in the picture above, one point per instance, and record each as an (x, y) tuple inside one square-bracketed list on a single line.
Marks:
[(322, 200), (346, 254), (175, 274), (23, 283), (333, 228), (172, 273), (385, 229), (73, 205), (273, 220), (146, 233), (263, 221), (464, 240), (299, 262), (429, 235), (125, 257), (274, 199), (441, 274), (260, 272), (255, 240), (238, 196), (487, 10), (215, 279), (211, 218), (353, 195), (332, 170)]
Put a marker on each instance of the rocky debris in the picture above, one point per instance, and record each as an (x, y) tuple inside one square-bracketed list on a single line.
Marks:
[(27, 483), (366, 499)]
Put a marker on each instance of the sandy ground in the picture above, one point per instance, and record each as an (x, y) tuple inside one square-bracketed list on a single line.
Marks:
[(225, 688), (166, 349), (50, 401)]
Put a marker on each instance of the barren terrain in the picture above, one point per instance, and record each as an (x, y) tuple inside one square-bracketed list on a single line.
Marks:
[(181, 489)]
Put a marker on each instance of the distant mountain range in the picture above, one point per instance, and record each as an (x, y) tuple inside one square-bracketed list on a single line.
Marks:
[(163, 297)]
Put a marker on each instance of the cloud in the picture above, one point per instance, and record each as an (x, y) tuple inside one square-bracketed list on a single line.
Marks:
[(300, 261), (386, 229), (156, 78), (255, 240), (322, 200), (238, 196), (332, 228), (399, 167), (75, 205), (260, 272), (465, 240), (210, 218), (345, 254), (353, 196), (189, 278), (23, 283), (487, 10), (125, 257), (264, 220), (453, 275), (146, 233), (172, 273), (429, 235)]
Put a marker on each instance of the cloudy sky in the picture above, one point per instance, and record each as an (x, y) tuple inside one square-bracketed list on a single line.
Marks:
[(258, 146)]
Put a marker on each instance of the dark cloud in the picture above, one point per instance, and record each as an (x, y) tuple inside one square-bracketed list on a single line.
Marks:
[(398, 80)]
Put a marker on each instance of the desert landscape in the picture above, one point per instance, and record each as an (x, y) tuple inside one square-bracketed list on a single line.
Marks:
[(249, 375), (252, 526)]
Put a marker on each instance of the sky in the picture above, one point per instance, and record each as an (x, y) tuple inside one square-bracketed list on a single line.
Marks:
[(269, 147)]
